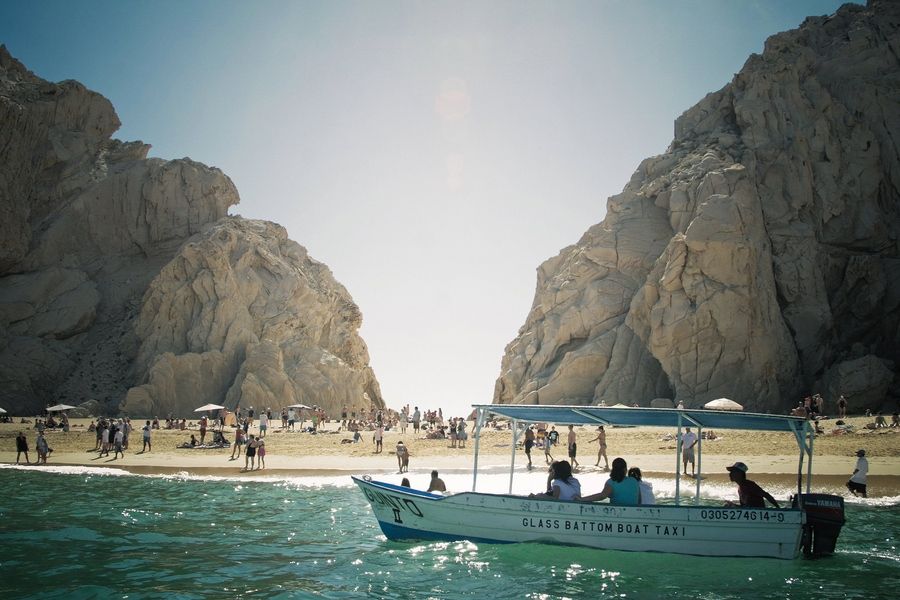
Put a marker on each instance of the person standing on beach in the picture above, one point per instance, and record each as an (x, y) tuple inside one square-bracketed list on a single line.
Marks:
[(749, 493), (260, 452), (842, 407), (688, 441), (120, 436), (573, 446), (416, 419), (547, 456), (203, 424), (146, 434), (601, 453), (529, 443), (22, 446), (402, 457), (857, 483), (104, 440), (238, 440), (378, 438), (292, 417), (43, 449), (263, 424), (250, 454)]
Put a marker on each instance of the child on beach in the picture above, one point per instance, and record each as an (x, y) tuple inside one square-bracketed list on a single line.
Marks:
[(261, 452)]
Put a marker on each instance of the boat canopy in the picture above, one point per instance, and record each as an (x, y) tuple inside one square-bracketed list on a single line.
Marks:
[(652, 417)]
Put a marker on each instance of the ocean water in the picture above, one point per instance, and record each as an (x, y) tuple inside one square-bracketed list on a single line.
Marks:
[(82, 532)]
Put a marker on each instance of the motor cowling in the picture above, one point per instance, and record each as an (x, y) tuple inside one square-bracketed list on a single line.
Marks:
[(824, 519)]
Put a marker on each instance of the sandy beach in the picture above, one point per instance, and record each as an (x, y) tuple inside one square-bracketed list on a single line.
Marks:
[(768, 454)]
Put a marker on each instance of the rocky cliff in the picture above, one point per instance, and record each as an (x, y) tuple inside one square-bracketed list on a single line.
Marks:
[(757, 258), (124, 280)]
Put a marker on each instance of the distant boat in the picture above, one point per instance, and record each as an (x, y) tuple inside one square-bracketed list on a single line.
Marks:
[(812, 523)]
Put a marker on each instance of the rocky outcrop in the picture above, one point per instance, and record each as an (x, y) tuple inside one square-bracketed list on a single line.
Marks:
[(752, 259), (243, 314), (123, 280)]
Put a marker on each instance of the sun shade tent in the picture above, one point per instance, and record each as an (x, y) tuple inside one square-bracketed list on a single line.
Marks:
[(59, 407), (298, 406), (2, 412), (206, 407), (723, 404)]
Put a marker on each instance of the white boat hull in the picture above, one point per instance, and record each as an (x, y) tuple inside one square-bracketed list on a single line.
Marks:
[(407, 514)]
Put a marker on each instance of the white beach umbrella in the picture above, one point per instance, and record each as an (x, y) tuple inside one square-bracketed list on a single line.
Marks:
[(723, 404), (206, 407), (2, 412), (59, 407), (298, 406)]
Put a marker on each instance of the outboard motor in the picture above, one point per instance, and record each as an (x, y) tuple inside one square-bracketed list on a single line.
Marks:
[(824, 519)]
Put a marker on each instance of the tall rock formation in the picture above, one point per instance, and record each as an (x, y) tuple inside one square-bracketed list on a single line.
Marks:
[(758, 258), (124, 280)]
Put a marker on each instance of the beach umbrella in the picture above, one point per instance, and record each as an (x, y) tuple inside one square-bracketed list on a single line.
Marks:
[(206, 407), (59, 407), (723, 404), (298, 406), (2, 412)]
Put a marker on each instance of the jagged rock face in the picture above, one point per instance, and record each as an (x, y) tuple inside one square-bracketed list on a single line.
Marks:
[(243, 314), (123, 280), (756, 259)]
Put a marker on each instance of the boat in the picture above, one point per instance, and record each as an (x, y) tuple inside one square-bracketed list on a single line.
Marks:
[(811, 524)]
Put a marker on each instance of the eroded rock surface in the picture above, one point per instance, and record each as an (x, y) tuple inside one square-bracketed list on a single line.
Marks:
[(754, 257), (123, 280)]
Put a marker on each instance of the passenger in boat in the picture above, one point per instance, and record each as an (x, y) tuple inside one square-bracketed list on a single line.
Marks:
[(749, 493), (619, 488), (857, 483), (560, 483), (437, 484), (646, 487), (405, 482)]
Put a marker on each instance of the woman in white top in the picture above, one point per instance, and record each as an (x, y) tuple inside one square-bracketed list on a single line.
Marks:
[(560, 483), (645, 486)]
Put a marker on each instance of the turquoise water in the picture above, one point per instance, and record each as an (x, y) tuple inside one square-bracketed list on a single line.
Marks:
[(92, 533)]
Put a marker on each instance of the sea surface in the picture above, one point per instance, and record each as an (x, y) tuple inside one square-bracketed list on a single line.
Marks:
[(84, 532)]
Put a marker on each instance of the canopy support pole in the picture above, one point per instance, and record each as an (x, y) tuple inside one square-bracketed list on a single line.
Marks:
[(479, 421), (512, 463), (811, 435), (678, 464), (699, 463)]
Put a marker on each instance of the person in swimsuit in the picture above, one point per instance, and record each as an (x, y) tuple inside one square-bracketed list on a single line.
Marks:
[(601, 453), (261, 452), (250, 454), (22, 446)]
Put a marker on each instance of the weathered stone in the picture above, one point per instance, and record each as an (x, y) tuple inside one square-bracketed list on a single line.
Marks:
[(123, 280), (752, 256), (863, 381)]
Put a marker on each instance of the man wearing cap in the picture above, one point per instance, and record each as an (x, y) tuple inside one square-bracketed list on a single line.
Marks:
[(857, 483), (750, 494)]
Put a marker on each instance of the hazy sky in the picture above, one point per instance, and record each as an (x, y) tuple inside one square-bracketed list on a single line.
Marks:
[(432, 154)]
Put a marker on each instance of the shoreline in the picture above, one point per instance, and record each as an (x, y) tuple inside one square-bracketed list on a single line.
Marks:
[(770, 456)]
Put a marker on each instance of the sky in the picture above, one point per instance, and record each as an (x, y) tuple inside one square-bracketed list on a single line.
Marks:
[(432, 154)]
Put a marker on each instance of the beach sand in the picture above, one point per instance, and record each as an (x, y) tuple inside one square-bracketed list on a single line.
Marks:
[(300, 453)]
